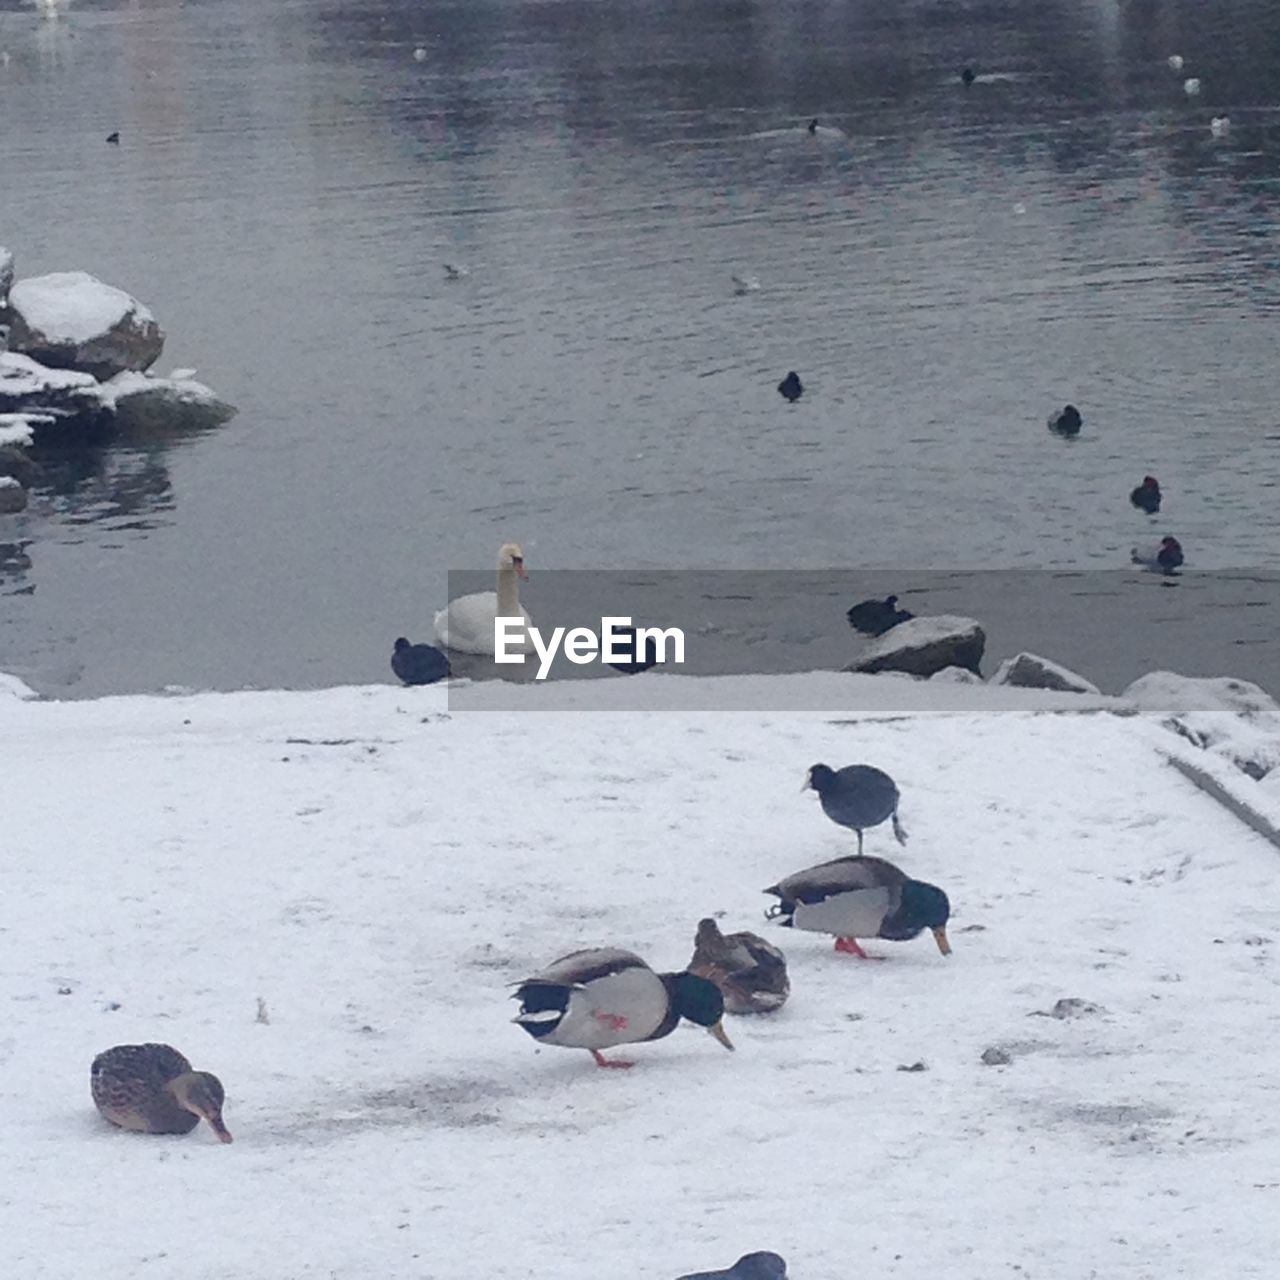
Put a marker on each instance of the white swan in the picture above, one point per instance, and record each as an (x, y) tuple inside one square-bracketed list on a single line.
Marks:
[(467, 624)]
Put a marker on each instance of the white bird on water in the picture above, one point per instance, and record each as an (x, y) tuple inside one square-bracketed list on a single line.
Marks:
[(1220, 126), (1175, 62), (1191, 86), (745, 284), (419, 54), (454, 272)]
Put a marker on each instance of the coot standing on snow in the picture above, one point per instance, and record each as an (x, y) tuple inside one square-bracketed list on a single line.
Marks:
[(790, 387), (857, 796)]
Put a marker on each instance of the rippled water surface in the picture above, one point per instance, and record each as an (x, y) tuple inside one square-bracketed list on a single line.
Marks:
[(942, 265)]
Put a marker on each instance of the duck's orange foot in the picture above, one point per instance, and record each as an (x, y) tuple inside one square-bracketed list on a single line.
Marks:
[(617, 1063), (849, 947)]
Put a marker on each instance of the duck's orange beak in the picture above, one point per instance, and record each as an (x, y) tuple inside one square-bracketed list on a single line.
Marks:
[(940, 937), (215, 1123), (720, 1034)]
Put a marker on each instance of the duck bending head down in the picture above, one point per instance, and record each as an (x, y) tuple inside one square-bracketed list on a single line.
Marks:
[(467, 623)]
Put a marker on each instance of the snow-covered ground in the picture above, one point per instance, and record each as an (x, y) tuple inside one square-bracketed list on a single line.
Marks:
[(377, 869)]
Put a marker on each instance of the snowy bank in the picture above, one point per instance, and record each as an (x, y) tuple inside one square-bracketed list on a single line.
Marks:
[(376, 867)]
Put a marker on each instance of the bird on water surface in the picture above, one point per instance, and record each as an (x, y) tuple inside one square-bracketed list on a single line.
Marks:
[(418, 663), (751, 1266), (151, 1088), (858, 796), (790, 388), (856, 897), (750, 972), (875, 617), (1147, 495), (967, 76), (1165, 558), (1066, 422), (604, 996)]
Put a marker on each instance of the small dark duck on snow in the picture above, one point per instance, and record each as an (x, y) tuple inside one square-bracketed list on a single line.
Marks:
[(858, 796), (750, 972), (857, 897), (151, 1088)]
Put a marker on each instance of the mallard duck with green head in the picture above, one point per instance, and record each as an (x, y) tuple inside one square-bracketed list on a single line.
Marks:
[(604, 996), (151, 1088), (857, 897)]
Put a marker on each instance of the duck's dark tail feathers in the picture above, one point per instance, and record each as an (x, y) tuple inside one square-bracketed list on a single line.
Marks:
[(899, 831)]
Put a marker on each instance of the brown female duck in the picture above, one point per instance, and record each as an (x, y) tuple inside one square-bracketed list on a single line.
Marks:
[(151, 1088), (750, 972)]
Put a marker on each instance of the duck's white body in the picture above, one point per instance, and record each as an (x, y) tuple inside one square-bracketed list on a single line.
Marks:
[(620, 1007), (467, 624)]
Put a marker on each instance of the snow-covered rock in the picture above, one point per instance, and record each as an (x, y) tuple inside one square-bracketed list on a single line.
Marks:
[(143, 403), (13, 497), (955, 675), (1030, 671), (924, 646), (1232, 718), (12, 687), (41, 395), (71, 320), (6, 274)]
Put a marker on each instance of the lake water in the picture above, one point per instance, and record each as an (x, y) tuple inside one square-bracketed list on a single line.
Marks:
[(291, 179)]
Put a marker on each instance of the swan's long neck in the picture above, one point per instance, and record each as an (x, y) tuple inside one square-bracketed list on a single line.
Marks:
[(508, 593)]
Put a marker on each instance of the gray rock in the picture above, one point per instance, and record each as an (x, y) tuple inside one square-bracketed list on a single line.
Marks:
[(147, 405), (13, 497), (925, 646), (71, 320), (6, 275), (49, 397), (1071, 1007), (956, 675), (996, 1057), (1030, 671)]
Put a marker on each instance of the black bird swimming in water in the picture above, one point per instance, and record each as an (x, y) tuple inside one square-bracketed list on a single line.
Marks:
[(625, 642), (790, 387), (114, 138), (1147, 495), (1066, 422), (418, 663), (967, 76), (875, 617), (813, 125), (1166, 558)]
